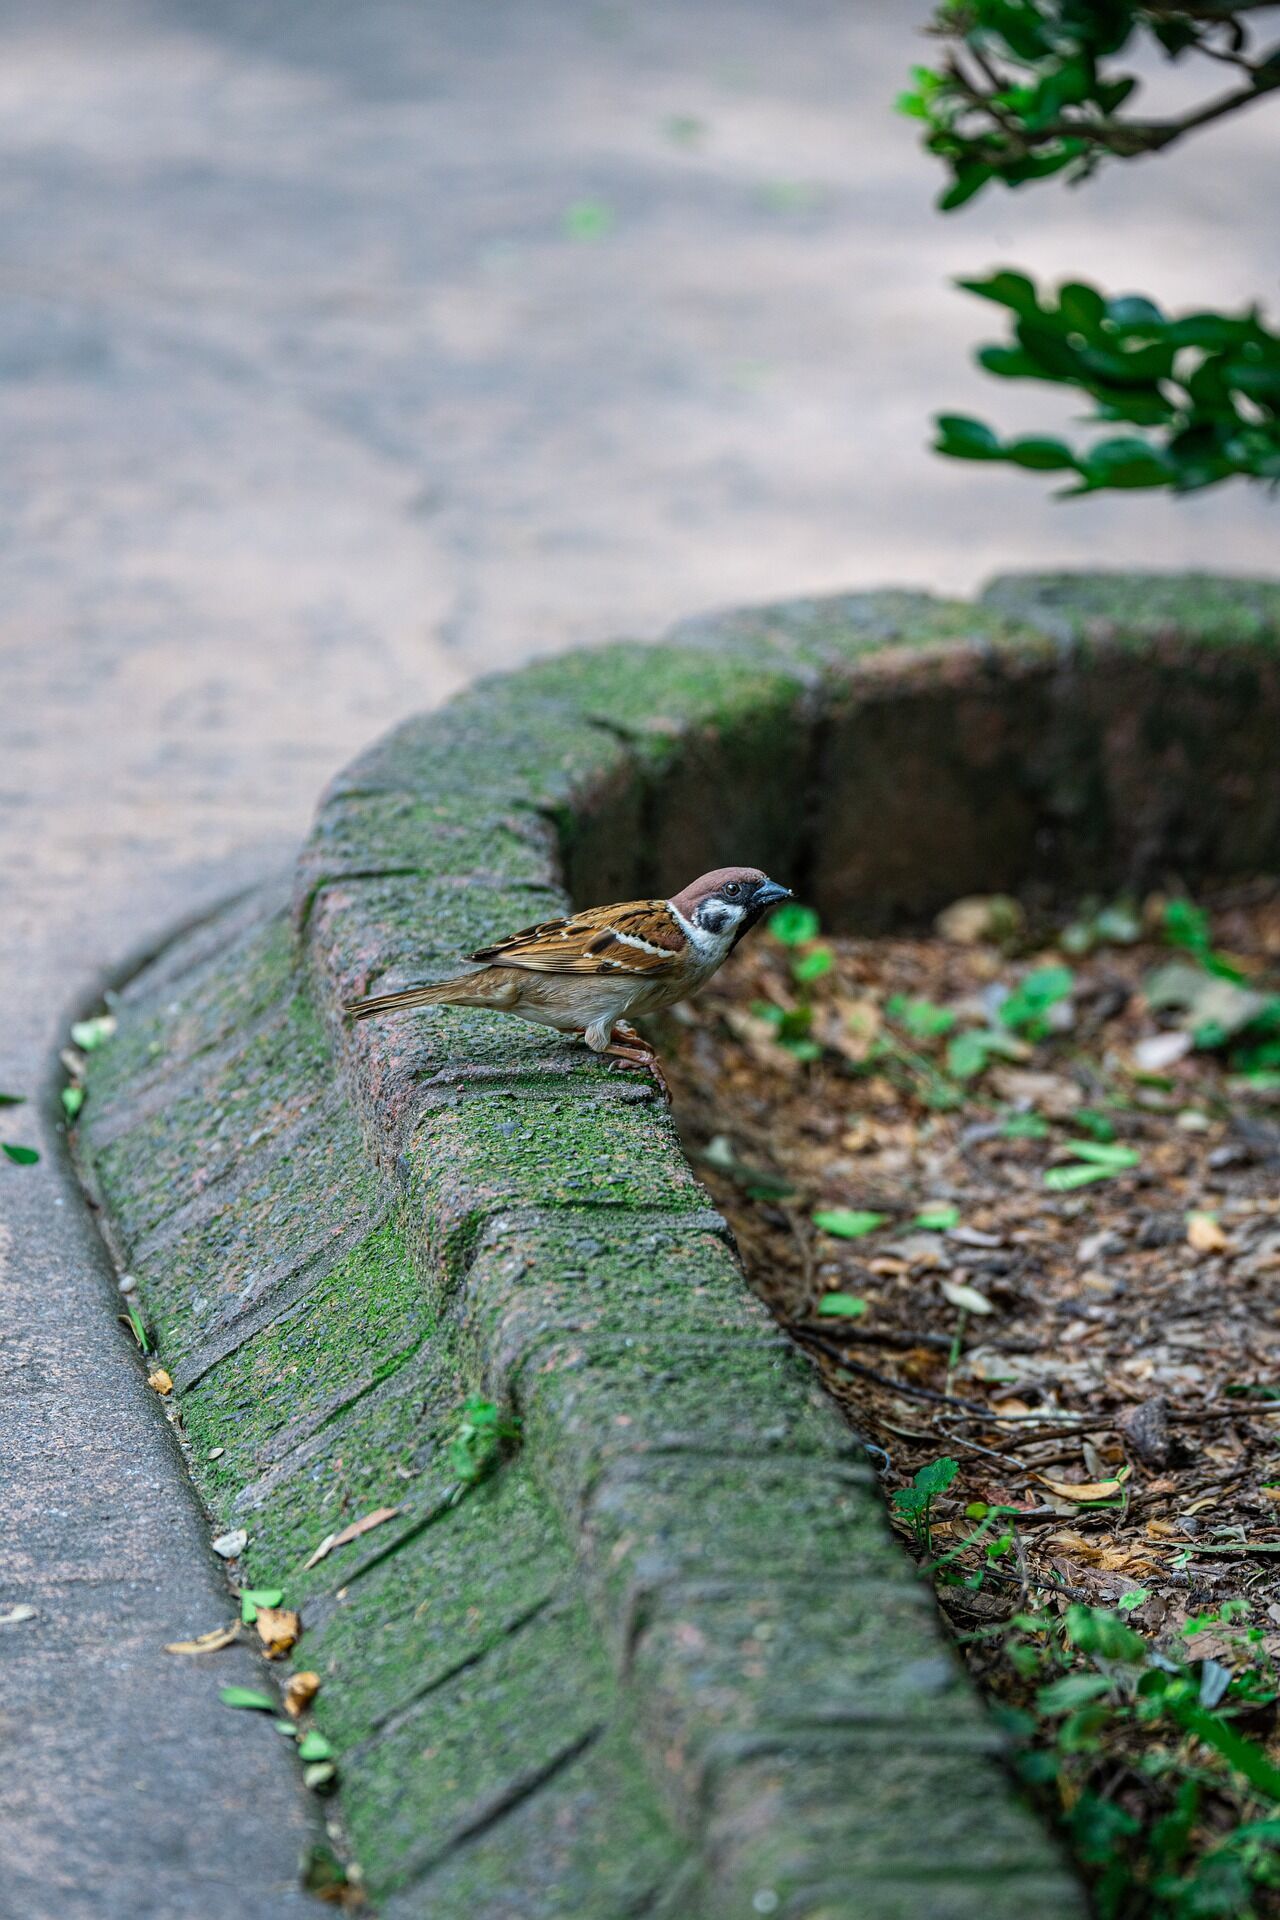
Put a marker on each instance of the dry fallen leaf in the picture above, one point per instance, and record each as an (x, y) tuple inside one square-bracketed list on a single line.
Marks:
[(1051, 1094), (979, 917), (300, 1692), (211, 1642), (967, 1297), (1081, 1490), (1204, 1235), (160, 1381), (353, 1532), (278, 1629), (1161, 1051)]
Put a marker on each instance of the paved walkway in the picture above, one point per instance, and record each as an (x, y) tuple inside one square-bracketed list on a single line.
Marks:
[(346, 352)]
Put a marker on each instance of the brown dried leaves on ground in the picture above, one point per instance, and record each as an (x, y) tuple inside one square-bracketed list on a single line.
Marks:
[(1021, 1205)]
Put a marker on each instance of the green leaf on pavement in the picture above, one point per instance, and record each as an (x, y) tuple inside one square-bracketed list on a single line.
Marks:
[(246, 1697)]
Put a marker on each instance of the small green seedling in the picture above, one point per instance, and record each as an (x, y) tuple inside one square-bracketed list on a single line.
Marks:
[(922, 1019), (132, 1319), (794, 925), (971, 1053), (477, 1443), (915, 1503), (1026, 1009), (91, 1034), (20, 1156)]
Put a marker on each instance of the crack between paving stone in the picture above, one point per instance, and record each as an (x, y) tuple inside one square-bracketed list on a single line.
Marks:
[(239, 1173), (440, 1511), (504, 1803), (306, 906), (281, 1296), (395, 1716), (152, 1094), (286, 1440)]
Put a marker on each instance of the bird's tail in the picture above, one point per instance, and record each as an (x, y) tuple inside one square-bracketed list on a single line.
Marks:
[(484, 989)]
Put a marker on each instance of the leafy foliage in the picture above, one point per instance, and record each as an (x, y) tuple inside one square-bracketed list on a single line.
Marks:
[(1028, 89), (1202, 389), (1025, 90), (1117, 1726)]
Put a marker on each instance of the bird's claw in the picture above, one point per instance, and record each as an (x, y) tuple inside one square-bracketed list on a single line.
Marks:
[(630, 1051)]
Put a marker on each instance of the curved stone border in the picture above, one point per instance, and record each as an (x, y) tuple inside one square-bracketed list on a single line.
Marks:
[(668, 1660)]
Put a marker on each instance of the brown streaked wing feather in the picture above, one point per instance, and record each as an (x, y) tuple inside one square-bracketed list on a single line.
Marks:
[(602, 940)]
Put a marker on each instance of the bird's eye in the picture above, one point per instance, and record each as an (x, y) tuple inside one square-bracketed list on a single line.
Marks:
[(731, 889)]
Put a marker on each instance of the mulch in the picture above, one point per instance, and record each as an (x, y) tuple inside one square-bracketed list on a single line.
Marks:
[(1102, 1359)]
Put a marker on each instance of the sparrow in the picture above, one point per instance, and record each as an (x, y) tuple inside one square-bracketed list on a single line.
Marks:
[(590, 972)]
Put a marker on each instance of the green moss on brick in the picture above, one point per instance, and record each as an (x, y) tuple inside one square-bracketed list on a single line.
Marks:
[(446, 1598), (1139, 608), (599, 1849), (428, 1777), (257, 1239), (497, 1151), (188, 1016), (214, 1119), (357, 1327)]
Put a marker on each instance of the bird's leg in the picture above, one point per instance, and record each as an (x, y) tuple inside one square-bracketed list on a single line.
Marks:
[(633, 1050)]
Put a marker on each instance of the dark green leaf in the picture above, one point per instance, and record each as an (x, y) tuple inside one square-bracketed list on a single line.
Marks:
[(970, 179), (1083, 306), (937, 1476), (965, 439), (1048, 456), (1007, 289)]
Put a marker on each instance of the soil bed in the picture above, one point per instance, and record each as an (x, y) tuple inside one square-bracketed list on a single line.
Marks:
[(1014, 1187)]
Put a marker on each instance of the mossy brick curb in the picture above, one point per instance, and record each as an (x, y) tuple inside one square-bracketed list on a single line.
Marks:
[(667, 1661)]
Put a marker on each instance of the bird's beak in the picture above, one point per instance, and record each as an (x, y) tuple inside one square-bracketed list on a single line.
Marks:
[(768, 893)]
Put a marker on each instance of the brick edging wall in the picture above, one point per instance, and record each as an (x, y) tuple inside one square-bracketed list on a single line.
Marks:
[(668, 1661)]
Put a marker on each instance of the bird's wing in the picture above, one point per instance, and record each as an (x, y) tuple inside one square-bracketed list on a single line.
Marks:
[(638, 937)]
